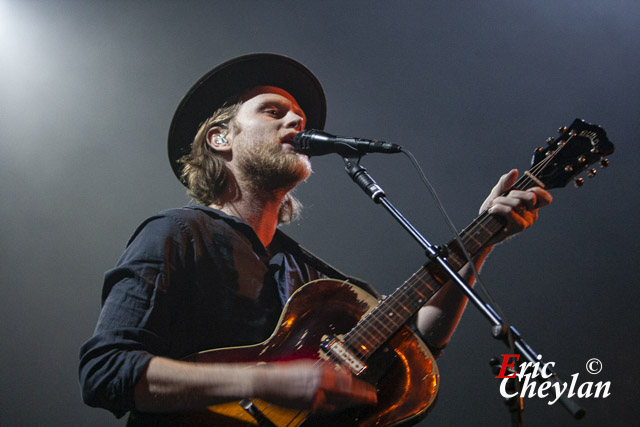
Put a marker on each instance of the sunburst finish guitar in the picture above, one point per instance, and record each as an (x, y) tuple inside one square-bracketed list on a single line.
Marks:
[(338, 321)]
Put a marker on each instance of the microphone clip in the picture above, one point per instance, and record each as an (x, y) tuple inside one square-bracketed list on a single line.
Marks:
[(360, 176)]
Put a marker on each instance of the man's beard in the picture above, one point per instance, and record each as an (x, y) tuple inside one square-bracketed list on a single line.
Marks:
[(269, 168)]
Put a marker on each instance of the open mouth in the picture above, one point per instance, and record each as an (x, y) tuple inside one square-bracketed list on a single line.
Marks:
[(288, 139)]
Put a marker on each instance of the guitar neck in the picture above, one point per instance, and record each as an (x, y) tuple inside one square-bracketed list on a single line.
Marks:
[(399, 307), (578, 147)]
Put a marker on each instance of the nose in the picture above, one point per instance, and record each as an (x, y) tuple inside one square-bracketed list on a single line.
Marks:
[(294, 121)]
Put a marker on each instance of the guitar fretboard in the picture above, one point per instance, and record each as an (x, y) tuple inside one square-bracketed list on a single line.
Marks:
[(397, 309), (578, 147)]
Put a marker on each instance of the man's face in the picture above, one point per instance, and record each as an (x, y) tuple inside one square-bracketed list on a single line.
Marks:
[(261, 135)]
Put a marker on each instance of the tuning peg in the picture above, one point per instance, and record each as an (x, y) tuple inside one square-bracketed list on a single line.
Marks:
[(550, 140), (578, 182), (562, 129), (582, 159), (604, 163), (592, 173)]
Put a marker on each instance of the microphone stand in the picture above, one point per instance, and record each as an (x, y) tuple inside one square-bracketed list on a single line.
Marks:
[(436, 254)]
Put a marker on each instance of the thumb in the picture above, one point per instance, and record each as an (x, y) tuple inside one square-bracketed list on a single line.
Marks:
[(505, 182)]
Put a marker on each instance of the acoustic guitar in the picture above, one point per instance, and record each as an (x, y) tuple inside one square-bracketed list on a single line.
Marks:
[(338, 321)]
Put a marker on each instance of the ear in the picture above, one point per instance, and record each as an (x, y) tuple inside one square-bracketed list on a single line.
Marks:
[(217, 139)]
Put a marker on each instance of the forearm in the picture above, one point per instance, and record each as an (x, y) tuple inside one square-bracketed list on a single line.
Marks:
[(174, 386), (171, 386), (438, 319)]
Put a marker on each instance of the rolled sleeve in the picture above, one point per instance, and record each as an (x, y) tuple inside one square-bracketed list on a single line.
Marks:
[(134, 323)]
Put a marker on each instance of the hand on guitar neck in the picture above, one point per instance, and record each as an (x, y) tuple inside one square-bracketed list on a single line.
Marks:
[(518, 208)]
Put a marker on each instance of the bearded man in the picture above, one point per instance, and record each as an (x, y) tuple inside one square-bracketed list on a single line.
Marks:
[(218, 274)]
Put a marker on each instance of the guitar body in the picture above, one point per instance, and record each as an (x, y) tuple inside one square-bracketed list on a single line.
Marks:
[(404, 370)]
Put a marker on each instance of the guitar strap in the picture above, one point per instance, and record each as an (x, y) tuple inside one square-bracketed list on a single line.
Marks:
[(294, 248), (309, 258)]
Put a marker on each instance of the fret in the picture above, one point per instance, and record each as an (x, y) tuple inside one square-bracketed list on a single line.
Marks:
[(396, 310)]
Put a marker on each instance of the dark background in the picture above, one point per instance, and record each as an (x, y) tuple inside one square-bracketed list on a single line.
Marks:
[(471, 88)]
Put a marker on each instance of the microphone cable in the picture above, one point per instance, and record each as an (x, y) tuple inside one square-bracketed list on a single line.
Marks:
[(458, 239)]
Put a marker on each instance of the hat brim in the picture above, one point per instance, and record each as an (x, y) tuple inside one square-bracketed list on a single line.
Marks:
[(234, 77)]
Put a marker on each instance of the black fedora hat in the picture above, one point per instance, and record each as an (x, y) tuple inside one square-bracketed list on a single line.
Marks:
[(231, 79)]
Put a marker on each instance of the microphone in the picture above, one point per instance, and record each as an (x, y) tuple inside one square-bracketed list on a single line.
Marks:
[(317, 143)]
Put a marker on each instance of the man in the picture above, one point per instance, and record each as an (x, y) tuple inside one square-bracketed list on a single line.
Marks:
[(217, 275)]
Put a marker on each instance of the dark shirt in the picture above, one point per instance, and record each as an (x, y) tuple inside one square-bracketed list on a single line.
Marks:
[(190, 279)]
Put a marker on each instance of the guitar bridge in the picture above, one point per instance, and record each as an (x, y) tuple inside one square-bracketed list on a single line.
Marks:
[(340, 353)]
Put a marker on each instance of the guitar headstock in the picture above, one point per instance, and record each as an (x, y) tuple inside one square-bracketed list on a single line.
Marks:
[(578, 147)]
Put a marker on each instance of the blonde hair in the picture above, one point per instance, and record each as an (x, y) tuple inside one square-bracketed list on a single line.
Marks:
[(205, 173)]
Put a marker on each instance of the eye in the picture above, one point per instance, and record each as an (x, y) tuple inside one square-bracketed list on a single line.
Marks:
[(271, 111)]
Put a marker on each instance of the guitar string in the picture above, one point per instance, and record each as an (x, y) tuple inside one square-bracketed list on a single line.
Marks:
[(378, 313), (408, 289), (405, 290), (377, 318), (482, 221)]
